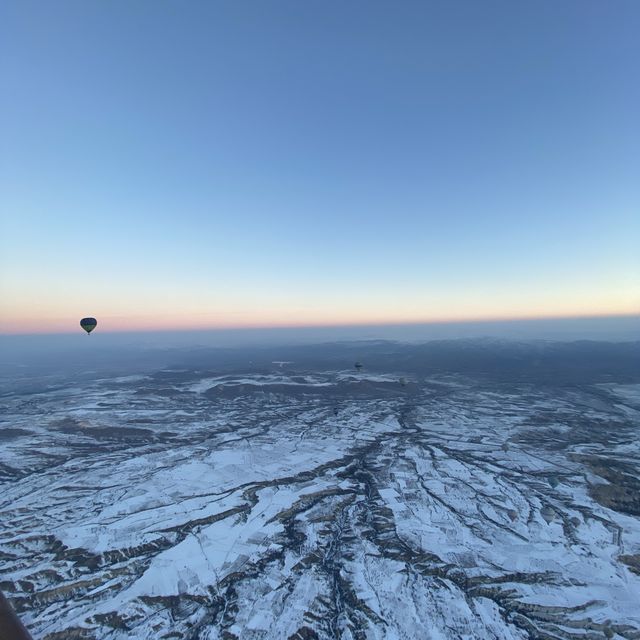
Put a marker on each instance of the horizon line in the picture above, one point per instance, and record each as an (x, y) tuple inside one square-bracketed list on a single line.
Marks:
[(373, 324)]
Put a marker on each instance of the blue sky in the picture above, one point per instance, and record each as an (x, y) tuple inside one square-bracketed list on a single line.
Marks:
[(202, 164)]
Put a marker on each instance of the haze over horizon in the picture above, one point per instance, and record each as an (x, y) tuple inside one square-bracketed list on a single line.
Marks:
[(612, 329), (225, 165)]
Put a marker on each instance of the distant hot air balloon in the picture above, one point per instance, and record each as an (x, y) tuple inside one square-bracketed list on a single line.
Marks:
[(403, 382), (358, 365), (547, 513), (88, 324)]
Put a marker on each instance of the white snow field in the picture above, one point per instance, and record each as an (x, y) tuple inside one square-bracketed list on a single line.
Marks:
[(321, 505)]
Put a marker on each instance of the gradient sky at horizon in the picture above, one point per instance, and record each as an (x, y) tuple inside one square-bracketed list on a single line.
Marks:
[(205, 164)]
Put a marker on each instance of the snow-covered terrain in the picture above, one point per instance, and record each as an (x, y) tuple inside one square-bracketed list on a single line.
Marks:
[(321, 504)]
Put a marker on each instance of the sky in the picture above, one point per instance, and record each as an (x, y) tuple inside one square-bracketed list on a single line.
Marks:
[(171, 165)]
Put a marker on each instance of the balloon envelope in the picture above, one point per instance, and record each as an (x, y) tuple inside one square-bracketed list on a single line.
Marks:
[(88, 324)]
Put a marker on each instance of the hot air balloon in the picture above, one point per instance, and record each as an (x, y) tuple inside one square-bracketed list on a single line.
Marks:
[(358, 365), (547, 513), (88, 324)]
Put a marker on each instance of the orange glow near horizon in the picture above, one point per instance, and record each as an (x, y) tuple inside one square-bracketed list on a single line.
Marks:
[(163, 307), (120, 324)]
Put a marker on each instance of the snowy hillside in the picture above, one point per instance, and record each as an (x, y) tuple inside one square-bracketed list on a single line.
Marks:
[(321, 504)]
